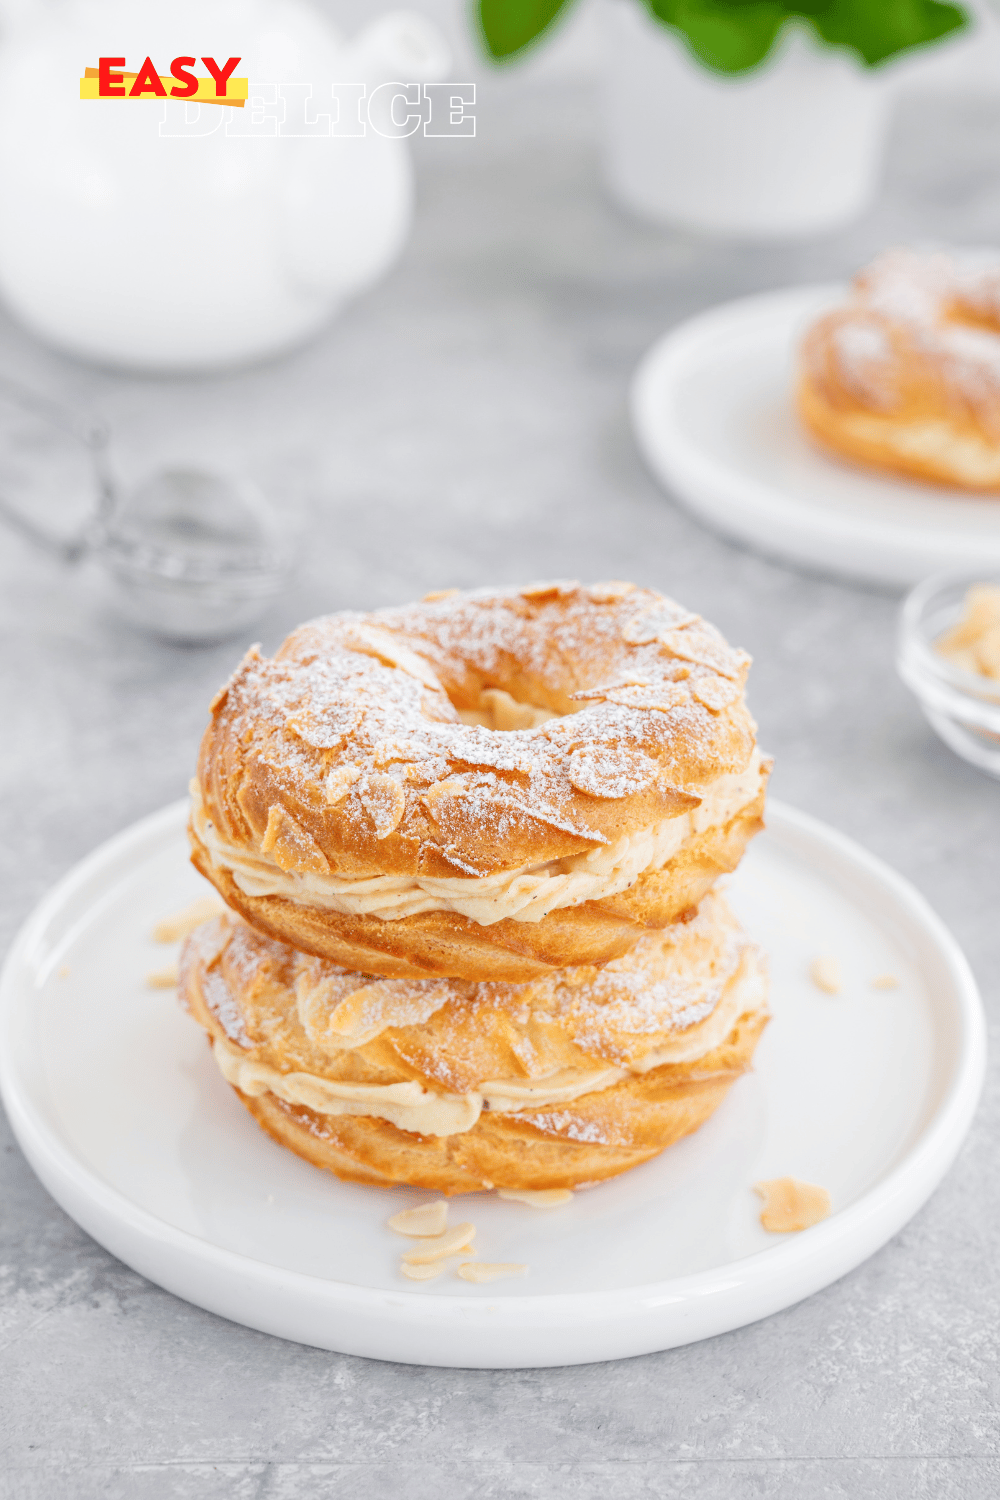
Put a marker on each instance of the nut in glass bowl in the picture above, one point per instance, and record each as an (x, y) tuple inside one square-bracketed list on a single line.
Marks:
[(948, 654)]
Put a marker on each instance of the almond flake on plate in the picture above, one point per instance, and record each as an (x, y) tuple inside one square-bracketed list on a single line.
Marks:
[(885, 982), (486, 1270), (536, 1197), (825, 975), (791, 1205), (459, 1238), (163, 979), (183, 922), (425, 1219), (422, 1273)]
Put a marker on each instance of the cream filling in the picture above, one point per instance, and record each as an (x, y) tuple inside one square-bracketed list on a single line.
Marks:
[(405, 1105), (526, 895), (421, 1111)]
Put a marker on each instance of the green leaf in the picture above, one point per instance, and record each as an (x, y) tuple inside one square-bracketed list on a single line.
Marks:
[(729, 37), (879, 29), (508, 26), (733, 36)]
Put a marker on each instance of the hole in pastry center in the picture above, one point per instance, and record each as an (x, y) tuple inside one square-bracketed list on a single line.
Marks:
[(498, 709)]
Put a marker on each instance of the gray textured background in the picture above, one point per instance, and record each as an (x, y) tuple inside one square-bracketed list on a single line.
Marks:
[(465, 423)]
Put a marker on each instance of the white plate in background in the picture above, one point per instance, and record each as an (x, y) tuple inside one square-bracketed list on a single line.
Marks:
[(115, 1099), (712, 407)]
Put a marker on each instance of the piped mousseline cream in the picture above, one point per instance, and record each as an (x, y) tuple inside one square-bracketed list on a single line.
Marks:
[(525, 895)]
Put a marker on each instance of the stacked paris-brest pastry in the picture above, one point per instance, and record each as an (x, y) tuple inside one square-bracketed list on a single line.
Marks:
[(468, 849)]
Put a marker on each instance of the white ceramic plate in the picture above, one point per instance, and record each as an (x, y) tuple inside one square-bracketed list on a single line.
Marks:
[(712, 409), (116, 1101)]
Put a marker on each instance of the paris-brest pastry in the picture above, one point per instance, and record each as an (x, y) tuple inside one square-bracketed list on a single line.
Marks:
[(468, 848), (905, 375)]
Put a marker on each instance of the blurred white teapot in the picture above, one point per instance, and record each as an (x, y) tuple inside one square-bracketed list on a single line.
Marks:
[(154, 235)]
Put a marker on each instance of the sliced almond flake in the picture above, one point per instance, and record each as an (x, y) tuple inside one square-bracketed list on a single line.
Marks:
[(422, 1273), (384, 800), (449, 1243), (437, 594), (663, 698), (642, 629), (610, 772), (536, 1197), (425, 1219), (981, 611), (608, 592), (627, 679), (326, 727), (695, 646), (551, 590), (450, 804), (371, 641), (163, 979), (171, 929), (423, 773), (825, 974), (251, 655), (63, 971), (790, 1205), (339, 783), (490, 1270), (388, 752), (290, 846), (363, 1014), (885, 982), (716, 693), (987, 650), (455, 857)]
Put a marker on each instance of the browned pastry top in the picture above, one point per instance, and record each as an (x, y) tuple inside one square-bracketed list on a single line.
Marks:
[(918, 337), (347, 754)]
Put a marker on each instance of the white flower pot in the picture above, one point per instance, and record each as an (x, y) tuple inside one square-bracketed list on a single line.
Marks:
[(792, 148)]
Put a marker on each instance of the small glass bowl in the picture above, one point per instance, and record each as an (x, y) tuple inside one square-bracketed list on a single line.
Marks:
[(963, 707)]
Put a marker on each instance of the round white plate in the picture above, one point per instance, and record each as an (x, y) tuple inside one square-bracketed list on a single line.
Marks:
[(712, 409), (115, 1099)]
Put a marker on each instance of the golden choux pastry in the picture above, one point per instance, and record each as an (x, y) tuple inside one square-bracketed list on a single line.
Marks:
[(488, 785), (457, 1086), (906, 376)]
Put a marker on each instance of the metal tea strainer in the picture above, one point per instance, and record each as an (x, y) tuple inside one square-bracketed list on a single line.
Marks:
[(191, 555)]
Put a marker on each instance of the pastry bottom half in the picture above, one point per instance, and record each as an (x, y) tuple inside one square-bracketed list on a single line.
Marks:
[(939, 446), (595, 1137), (443, 943)]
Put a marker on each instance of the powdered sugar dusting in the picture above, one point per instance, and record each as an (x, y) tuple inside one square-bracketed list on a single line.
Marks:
[(354, 724), (608, 772), (219, 999), (920, 314)]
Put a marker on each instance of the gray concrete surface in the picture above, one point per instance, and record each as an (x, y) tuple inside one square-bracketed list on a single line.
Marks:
[(466, 423)]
